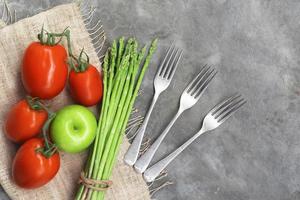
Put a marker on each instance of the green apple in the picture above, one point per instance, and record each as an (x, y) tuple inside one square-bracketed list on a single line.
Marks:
[(73, 129)]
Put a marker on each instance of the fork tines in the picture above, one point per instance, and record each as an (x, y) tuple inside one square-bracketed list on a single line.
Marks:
[(226, 108), (201, 81), (168, 67)]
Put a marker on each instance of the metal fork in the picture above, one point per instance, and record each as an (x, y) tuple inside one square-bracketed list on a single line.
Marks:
[(212, 120), (189, 97), (162, 80)]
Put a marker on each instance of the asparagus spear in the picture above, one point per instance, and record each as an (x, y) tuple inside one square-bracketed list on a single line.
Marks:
[(121, 84), (127, 93), (127, 114), (113, 133), (137, 63), (145, 67), (105, 103), (89, 164), (112, 112), (115, 97), (120, 50)]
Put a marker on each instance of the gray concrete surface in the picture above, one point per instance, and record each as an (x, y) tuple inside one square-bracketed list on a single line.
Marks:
[(254, 44)]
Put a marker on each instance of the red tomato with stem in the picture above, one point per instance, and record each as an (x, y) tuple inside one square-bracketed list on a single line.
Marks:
[(44, 70), (86, 84), (31, 168), (24, 121)]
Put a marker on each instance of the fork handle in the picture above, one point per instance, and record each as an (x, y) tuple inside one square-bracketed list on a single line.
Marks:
[(133, 151), (151, 173), (143, 162)]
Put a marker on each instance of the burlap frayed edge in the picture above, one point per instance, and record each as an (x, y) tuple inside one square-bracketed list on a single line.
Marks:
[(98, 39), (95, 29), (134, 123)]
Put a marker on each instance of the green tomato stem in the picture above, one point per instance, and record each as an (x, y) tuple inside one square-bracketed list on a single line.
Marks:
[(36, 104), (45, 128)]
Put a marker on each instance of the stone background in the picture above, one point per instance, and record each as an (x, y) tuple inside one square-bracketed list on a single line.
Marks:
[(254, 44)]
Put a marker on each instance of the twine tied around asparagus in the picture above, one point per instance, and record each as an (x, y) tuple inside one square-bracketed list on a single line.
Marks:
[(98, 185)]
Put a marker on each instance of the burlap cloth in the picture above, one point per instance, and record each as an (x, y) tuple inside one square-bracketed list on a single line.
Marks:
[(127, 185)]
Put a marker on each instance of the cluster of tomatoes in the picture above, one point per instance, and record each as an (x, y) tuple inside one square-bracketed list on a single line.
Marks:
[(45, 71)]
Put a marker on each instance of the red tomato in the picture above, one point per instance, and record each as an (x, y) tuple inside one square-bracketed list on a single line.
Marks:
[(30, 168), (44, 70), (86, 86), (23, 122)]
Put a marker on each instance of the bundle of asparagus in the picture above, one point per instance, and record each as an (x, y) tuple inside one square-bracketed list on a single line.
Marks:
[(123, 72)]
